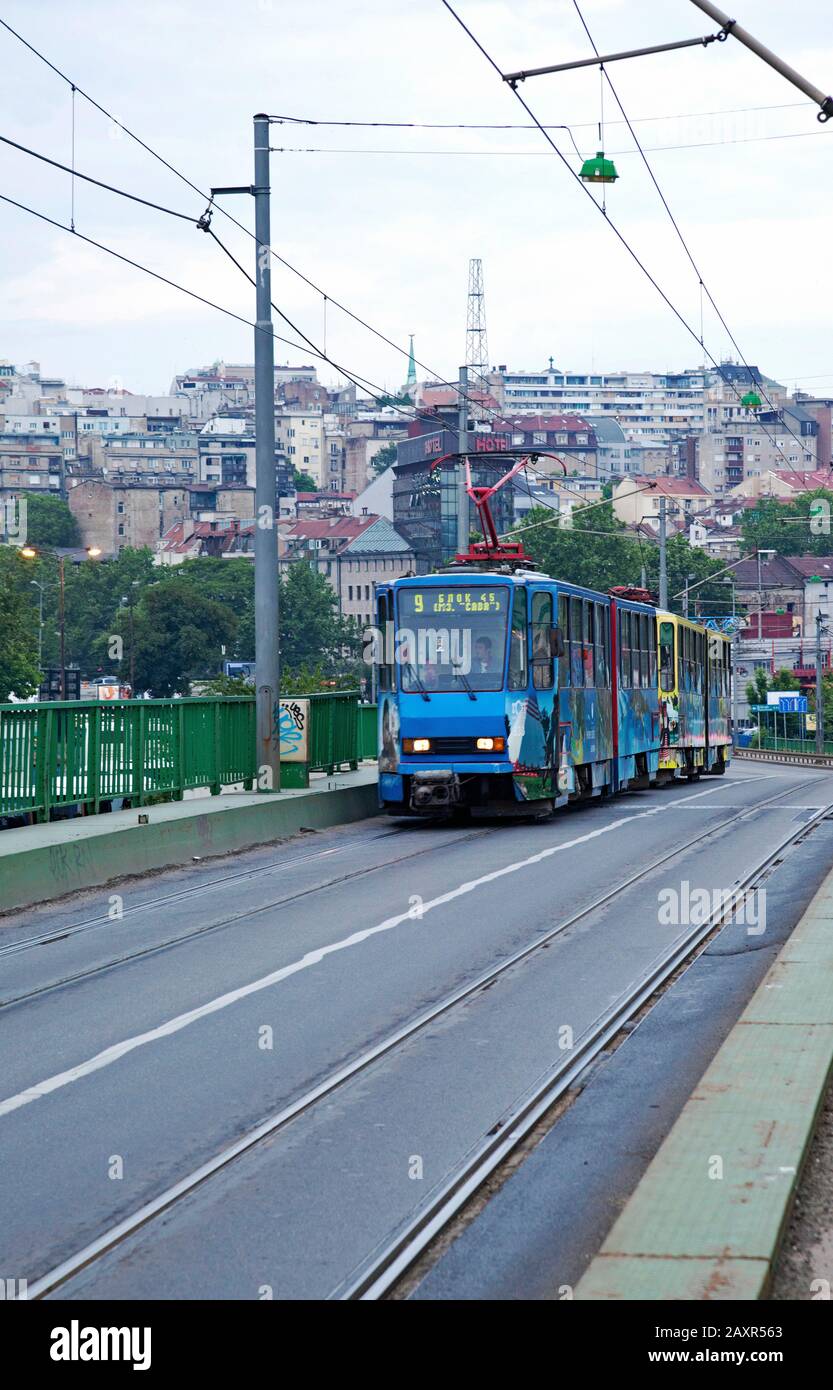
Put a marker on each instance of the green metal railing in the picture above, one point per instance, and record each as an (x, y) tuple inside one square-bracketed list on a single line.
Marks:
[(788, 745), (368, 731), (89, 752)]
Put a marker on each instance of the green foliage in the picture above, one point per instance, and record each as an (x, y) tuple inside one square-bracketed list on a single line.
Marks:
[(49, 521), (94, 593), (226, 685), (304, 482), (19, 673), (597, 551), (383, 459), (788, 725), (790, 528), (313, 633), (597, 561), (312, 680), (178, 635)]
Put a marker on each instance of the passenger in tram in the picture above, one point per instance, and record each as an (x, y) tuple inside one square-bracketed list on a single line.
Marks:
[(484, 661)]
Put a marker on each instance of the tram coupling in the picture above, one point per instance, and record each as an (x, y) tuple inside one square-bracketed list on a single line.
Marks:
[(440, 787)]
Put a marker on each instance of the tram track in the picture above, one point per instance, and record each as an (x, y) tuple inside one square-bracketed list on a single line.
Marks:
[(386, 1266), (196, 933), (379, 1277)]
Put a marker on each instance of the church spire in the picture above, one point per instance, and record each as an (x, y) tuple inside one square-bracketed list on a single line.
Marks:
[(411, 380)]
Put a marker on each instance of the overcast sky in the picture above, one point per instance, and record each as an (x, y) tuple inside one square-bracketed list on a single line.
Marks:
[(390, 234)]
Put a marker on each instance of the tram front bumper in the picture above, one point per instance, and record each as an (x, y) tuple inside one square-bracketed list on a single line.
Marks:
[(439, 788)]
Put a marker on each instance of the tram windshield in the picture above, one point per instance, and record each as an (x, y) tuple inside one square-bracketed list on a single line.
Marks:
[(452, 638)]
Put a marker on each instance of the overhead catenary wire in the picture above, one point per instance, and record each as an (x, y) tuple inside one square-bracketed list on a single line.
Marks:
[(586, 190), (99, 183), (403, 351), (509, 125), (675, 224), (542, 154), (241, 226)]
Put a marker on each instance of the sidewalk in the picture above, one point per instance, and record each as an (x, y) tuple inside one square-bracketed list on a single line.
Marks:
[(41, 862), (706, 1220)]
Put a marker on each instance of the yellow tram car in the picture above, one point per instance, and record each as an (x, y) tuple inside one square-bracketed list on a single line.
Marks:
[(694, 674)]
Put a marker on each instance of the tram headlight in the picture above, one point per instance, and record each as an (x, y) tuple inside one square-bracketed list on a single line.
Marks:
[(490, 745), (416, 745)]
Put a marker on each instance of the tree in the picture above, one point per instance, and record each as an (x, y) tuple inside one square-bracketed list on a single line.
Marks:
[(304, 482), (19, 673), (94, 590), (232, 583), (50, 522), (383, 459), (178, 635), (598, 560), (801, 527), (313, 632)]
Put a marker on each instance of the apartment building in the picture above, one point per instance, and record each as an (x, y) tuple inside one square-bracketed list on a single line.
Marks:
[(353, 553)]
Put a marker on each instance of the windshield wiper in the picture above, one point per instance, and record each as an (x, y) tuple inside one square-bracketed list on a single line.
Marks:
[(417, 682), (465, 681)]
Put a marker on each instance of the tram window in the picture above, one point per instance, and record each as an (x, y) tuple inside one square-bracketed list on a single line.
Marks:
[(666, 657), (564, 624), (587, 643), (385, 666), (601, 650), (625, 648), (636, 679), (644, 659), (576, 669), (652, 652), (542, 644), (517, 643)]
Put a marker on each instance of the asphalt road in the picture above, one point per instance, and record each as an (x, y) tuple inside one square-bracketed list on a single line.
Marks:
[(145, 1027)]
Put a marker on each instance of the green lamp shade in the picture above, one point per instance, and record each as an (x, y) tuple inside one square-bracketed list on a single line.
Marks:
[(751, 400), (599, 170)]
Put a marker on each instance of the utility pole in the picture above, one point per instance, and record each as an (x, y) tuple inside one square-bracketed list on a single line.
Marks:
[(267, 616), (819, 689), (62, 626), (663, 558), (267, 658), (462, 445)]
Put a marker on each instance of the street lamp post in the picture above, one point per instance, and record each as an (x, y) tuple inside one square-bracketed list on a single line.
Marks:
[(38, 585), (31, 552)]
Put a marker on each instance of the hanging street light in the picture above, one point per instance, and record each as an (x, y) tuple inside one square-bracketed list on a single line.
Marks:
[(599, 170)]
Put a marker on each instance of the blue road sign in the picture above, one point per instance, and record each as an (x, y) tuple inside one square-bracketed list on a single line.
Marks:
[(792, 704)]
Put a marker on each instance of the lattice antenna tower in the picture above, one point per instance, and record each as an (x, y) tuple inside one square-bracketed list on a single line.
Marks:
[(477, 347)]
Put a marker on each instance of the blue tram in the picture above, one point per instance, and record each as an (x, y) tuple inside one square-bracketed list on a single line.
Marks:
[(512, 692), (505, 690)]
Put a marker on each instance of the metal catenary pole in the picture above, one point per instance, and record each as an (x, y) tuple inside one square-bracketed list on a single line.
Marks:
[(463, 433), (267, 658), (663, 559), (819, 688)]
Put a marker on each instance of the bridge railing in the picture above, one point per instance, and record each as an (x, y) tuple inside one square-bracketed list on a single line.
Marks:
[(89, 752)]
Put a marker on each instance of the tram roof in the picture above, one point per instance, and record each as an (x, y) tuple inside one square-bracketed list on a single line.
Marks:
[(519, 577)]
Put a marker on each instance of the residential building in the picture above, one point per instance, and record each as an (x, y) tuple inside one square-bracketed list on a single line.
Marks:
[(219, 538), (300, 436), (636, 500), (763, 442), (114, 514), (353, 553), (658, 406), (31, 462)]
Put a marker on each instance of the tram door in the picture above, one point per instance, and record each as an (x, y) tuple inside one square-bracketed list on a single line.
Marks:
[(545, 647)]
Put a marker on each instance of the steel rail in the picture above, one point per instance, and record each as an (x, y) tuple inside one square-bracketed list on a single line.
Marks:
[(377, 1278), (195, 933), (115, 1235)]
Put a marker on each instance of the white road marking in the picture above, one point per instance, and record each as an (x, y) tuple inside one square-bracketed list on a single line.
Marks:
[(224, 1001)]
